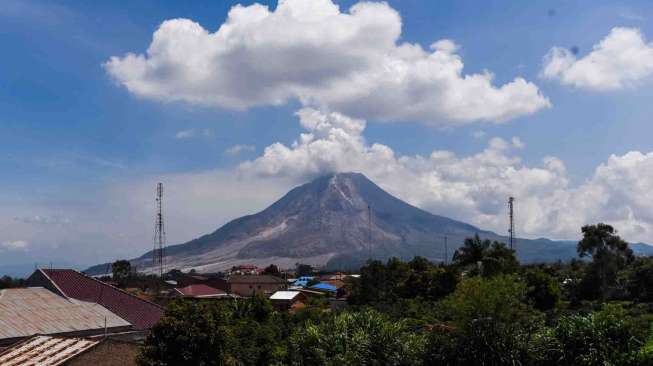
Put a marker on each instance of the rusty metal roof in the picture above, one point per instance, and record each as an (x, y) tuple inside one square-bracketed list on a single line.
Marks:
[(45, 351), (200, 290), (36, 310)]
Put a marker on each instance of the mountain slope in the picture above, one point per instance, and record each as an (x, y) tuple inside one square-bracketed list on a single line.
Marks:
[(327, 222)]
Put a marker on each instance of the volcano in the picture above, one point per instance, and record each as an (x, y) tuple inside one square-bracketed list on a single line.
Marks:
[(338, 221)]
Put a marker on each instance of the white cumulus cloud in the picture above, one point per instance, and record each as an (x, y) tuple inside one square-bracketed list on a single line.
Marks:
[(473, 188), (309, 50), (14, 245), (44, 220), (623, 58), (192, 133), (240, 148)]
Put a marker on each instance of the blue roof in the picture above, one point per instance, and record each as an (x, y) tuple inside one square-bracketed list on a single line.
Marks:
[(325, 287), (302, 281)]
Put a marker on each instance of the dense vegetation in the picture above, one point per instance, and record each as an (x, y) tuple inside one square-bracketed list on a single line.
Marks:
[(482, 309), (11, 282)]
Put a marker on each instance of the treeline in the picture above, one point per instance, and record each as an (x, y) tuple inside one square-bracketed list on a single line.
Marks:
[(11, 282), (482, 309)]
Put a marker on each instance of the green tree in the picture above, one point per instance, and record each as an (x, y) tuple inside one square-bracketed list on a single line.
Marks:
[(272, 270), (490, 258), (190, 333), (244, 332), (122, 271), (640, 279), (356, 338), (303, 270), (490, 323), (609, 254), (472, 252), (9, 282), (373, 285), (543, 289), (606, 337), (499, 259), (432, 282)]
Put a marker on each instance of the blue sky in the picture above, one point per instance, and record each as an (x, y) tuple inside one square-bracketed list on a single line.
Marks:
[(72, 134)]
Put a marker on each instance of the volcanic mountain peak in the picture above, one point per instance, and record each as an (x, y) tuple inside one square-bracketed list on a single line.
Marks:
[(326, 222)]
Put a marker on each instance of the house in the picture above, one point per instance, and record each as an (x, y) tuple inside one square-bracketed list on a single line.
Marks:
[(189, 279), (245, 269), (302, 281), (215, 282), (48, 350), (288, 299), (333, 276), (252, 285), (201, 291), (25, 312), (311, 293), (142, 314), (325, 288), (338, 284)]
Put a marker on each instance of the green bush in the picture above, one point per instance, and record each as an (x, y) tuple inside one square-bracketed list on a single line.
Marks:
[(490, 322), (605, 337), (356, 338)]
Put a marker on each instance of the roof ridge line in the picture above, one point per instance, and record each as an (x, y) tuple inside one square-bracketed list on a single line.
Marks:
[(61, 293), (113, 287), (119, 289)]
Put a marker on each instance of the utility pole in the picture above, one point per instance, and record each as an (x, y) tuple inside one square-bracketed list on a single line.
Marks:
[(369, 232), (446, 253), (511, 216), (159, 233)]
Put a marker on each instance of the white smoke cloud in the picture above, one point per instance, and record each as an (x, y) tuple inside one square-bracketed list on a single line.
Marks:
[(473, 188)]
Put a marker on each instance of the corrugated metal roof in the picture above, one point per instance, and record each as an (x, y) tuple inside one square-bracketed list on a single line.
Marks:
[(324, 287), (284, 295), (45, 351), (36, 310), (139, 312)]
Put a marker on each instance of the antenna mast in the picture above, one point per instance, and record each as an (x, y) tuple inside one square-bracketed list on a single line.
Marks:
[(159, 233), (511, 216)]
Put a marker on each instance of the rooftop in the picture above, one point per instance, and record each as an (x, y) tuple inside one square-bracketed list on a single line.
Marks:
[(324, 287), (284, 295), (45, 351), (200, 290), (141, 313), (256, 279), (246, 266), (36, 310)]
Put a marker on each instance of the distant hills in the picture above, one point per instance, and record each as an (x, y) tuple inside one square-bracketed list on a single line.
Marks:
[(326, 223)]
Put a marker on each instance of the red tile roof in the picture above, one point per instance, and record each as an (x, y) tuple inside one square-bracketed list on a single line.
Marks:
[(142, 314), (200, 290)]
